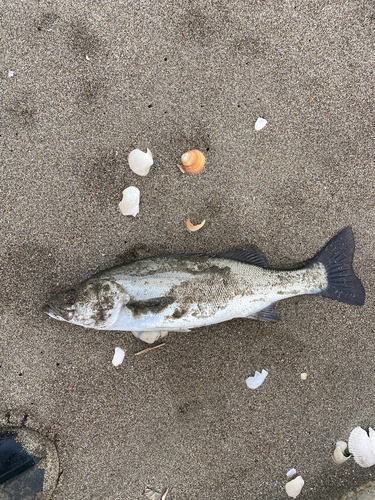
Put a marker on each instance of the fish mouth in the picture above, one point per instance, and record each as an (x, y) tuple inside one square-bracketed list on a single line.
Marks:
[(56, 314)]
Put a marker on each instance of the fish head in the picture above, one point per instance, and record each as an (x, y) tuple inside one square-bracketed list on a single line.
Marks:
[(95, 303)]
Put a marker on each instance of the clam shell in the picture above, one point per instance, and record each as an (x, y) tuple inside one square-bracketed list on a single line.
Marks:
[(129, 205), (294, 487), (193, 161), (362, 446), (338, 455), (193, 228), (140, 162)]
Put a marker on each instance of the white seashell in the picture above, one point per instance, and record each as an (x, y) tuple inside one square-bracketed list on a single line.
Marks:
[(140, 162), (152, 494), (294, 487), (303, 376), (257, 380), (118, 357), (260, 123), (10, 74), (338, 455), (362, 446), (129, 205), (291, 472)]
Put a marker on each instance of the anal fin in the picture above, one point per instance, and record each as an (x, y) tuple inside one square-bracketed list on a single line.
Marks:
[(267, 314)]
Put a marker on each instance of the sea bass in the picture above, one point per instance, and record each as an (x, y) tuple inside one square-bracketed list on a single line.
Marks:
[(152, 297)]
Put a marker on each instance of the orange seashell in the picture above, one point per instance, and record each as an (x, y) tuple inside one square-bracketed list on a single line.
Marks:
[(191, 226), (193, 161)]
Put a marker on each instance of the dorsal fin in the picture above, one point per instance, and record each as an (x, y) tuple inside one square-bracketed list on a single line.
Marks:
[(249, 254)]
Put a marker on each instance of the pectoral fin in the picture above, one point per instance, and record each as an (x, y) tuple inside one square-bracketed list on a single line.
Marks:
[(267, 314)]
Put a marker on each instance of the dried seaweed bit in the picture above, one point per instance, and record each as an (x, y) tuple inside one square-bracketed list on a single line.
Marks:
[(260, 123), (294, 487), (149, 349), (338, 455), (257, 380)]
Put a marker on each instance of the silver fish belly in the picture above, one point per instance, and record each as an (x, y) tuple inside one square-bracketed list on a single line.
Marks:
[(155, 296)]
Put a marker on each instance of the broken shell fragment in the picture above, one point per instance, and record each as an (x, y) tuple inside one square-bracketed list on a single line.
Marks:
[(129, 205), (260, 123), (140, 162), (257, 380), (338, 455), (118, 357), (294, 487), (193, 228), (155, 495), (303, 376), (193, 161), (362, 446), (291, 472)]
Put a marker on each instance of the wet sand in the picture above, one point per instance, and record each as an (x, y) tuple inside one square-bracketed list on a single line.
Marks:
[(93, 80)]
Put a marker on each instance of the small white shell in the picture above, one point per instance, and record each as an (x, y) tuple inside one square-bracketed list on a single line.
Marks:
[(257, 380), (130, 201), (260, 123), (338, 455), (140, 162), (362, 446), (118, 357), (294, 487), (291, 472), (303, 376)]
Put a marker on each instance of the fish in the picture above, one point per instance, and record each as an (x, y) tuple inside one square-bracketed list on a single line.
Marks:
[(155, 296)]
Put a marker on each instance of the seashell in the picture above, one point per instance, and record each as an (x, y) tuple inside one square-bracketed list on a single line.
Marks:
[(257, 380), (155, 495), (294, 487), (152, 494), (193, 228), (260, 123), (140, 162), (362, 446), (338, 455), (118, 357), (129, 205), (303, 376), (291, 472), (193, 161)]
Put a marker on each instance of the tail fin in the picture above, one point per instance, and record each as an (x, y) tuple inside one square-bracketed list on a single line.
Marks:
[(337, 258)]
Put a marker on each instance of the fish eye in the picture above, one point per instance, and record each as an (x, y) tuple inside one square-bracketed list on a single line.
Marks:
[(70, 297)]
